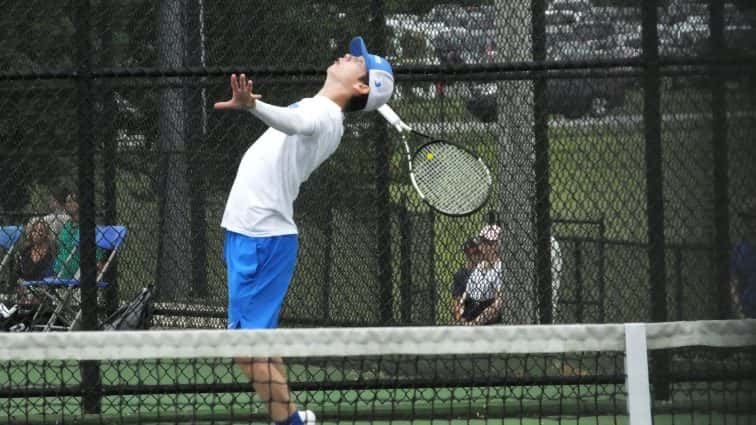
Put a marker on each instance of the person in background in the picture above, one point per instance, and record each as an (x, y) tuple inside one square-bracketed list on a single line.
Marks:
[(484, 287), (57, 217), (34, 261), (743, 265), (66, 264), (471, 249)]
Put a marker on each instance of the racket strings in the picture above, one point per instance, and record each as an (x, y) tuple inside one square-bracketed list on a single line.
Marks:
[(450, 178)]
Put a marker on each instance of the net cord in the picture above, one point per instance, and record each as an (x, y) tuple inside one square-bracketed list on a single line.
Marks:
[(430, 340)]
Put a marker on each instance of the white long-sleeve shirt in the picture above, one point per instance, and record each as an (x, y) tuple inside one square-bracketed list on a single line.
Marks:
[(300, 138)]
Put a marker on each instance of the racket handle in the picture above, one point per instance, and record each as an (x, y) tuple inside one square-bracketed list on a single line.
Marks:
[(393, 118)]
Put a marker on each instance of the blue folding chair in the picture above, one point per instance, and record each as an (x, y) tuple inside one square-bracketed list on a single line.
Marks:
[(61, 293), (9, 237)]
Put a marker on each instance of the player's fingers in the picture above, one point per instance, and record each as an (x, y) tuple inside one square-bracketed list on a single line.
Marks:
[(234, 83), (221, 105), (244, 83), (239, 84)]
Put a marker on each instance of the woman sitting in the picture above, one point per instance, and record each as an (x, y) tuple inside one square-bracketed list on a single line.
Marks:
[(34, 260)]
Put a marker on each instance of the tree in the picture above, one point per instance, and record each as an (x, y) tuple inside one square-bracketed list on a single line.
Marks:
[(35, 146)]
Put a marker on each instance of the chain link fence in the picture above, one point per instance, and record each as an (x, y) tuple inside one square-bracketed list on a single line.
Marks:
[(620, 138)]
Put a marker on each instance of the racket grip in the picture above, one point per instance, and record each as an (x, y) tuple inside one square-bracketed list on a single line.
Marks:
[(392, 117)]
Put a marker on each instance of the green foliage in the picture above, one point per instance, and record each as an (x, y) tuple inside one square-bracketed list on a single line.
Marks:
[(35, 38)]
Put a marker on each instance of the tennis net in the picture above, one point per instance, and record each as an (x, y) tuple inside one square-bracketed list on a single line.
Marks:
[(677, 372)]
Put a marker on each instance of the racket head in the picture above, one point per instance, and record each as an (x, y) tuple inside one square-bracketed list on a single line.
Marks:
[(450, 178)]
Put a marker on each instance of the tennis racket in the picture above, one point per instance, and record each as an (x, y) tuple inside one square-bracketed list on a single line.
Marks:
[(450, 178)]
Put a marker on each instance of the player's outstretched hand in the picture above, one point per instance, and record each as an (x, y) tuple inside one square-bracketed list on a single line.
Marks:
[(241, 94)]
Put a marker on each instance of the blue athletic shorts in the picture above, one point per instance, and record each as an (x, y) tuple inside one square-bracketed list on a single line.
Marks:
[(259, 271)]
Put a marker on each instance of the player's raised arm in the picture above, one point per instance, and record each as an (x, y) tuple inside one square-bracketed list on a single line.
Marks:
[(286, 120), (241, 94)]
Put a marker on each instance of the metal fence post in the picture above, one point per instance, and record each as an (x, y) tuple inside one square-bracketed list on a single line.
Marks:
[(579, 301), (196, 110), (90, 370), (383, 177), (654, 183), (719, 148), (406, 285), (542, 207), (109, 134)]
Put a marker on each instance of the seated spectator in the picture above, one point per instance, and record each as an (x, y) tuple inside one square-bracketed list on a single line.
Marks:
[(66, 265), (34, 259), (57, 216), (484, 299), (461, 276)]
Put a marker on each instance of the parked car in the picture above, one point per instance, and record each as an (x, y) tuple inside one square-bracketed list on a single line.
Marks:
[(580, 7), (407, 43), (451, 15), (575, 98), (468, 36), (679, 10), (689, 33), (572, 98), (558, 18)]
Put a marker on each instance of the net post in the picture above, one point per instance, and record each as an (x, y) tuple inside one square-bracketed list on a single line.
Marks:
[(636, 372)]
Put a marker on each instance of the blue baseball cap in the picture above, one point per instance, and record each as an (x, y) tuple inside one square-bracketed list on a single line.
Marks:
[(380, 75)]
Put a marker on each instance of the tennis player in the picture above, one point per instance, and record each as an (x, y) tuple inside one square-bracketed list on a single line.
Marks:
[(260, 248)]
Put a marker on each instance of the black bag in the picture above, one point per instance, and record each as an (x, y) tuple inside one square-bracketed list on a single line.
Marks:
[(134, 315)]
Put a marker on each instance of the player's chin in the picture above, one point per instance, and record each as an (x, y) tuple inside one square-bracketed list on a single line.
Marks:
[(335, 71)]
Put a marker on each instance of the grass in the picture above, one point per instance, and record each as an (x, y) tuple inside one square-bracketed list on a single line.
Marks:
[(599, 174)]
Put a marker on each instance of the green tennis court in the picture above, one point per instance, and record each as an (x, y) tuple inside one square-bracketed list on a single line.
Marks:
[(375, 388)]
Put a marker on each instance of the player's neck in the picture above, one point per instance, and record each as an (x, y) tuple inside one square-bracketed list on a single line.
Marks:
[(336, 92)]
